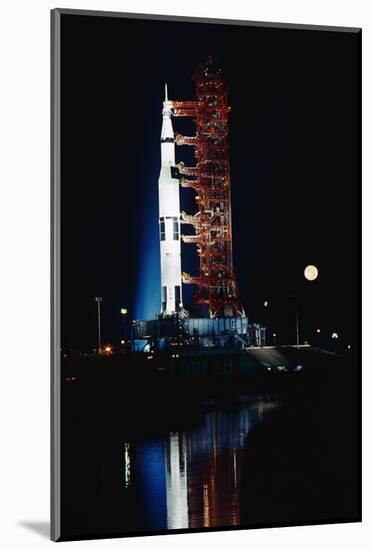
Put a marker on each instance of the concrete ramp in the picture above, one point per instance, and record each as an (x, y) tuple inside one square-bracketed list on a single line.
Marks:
[(268, 357), (292, 356)]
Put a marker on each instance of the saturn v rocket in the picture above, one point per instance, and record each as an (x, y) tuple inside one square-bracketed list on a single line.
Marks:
[(217, 316), (169, 220)]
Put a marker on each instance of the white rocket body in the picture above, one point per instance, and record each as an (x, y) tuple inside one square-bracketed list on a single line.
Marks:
[(169, 220)]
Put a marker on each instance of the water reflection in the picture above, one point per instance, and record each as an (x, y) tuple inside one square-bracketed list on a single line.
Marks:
[(191, 478), (214, 460), (127, 472), (176, 481)]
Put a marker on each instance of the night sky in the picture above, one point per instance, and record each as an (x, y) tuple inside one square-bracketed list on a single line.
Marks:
[(294, 152)]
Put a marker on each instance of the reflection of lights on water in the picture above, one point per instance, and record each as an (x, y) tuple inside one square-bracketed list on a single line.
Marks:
[(235, 468), (176, 481), (214, 439), (206, 505), (235, 518), (195, 493), (127, 464), (212, 481), (244, 426)]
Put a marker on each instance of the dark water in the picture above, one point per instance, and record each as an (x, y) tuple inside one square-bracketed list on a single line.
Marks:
[(175, 479), (136, 463), (191, 478)]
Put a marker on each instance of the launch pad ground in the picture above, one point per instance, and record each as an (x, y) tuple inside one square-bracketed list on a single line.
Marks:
[(248, 362), (202, 363)]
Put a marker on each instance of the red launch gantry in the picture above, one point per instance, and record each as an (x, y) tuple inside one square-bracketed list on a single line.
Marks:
[(216, 288)]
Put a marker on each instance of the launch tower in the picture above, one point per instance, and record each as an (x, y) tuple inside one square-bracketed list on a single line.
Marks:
[(216, 292)]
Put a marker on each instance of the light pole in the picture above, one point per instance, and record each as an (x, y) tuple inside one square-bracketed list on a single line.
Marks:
[(296, 320), (297, 326), (335, 338), (265, 317), (124, 313), (99, 300), (310, 274)]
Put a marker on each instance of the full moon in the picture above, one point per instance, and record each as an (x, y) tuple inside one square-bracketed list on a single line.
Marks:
[(311, 272)]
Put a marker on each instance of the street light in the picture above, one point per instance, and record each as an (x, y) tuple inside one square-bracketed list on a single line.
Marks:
[(124, 313), (311, 274), (99, 300)]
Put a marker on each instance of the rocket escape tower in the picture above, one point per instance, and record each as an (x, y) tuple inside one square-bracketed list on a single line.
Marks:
[(216, 292)]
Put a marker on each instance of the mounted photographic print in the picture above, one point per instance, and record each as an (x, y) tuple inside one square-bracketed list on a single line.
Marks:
[(205, 274)]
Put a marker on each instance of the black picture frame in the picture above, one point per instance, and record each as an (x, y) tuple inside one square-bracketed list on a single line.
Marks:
[(352, 117)]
